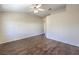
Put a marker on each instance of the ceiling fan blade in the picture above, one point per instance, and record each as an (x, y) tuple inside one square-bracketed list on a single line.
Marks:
[(33, 5), (41, 9), (39, 5)]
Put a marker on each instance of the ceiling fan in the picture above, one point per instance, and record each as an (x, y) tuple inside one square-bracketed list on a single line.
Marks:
[(36, 8)]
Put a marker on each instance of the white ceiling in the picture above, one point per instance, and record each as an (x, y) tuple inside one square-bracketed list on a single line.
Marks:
[(26, 8)]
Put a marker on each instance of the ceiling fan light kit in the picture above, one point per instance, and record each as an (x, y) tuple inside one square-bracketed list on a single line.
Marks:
[(37, 8), (35, 11)]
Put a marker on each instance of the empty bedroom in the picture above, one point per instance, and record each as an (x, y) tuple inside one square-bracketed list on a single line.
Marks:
[(39, 29)]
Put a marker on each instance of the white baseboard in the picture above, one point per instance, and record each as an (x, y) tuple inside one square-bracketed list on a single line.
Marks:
[(28, 36), (20, 38), (67, 41)]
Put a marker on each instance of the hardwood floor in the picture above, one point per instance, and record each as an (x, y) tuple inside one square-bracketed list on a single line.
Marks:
[(37, 45)]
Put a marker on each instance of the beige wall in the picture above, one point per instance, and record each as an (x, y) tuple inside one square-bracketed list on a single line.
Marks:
[(64, 26), (1, 38), (19, 25), (44, 24)]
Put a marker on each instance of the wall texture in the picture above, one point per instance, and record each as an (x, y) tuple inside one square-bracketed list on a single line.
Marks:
[(64, 26), (14, 26)]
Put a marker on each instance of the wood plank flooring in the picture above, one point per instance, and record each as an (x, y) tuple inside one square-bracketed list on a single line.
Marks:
[(37, 45)]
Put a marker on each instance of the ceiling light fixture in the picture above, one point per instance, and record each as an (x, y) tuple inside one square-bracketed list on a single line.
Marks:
[(37, 8), (35, 11)]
